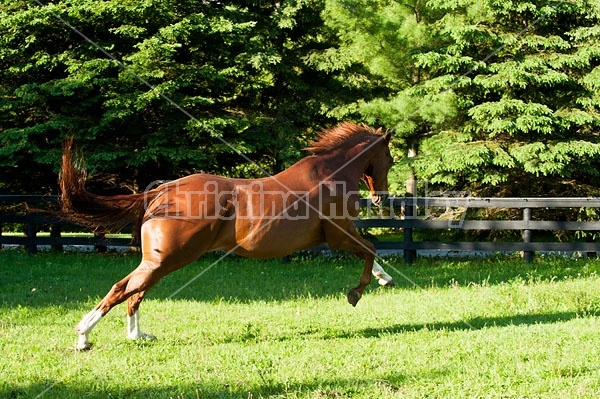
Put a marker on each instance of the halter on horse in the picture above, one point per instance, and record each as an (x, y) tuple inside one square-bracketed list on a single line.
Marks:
[(312, 202)]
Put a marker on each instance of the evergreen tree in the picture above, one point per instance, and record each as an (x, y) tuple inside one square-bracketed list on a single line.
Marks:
[(384, 37), (237, 68), (503, 97)]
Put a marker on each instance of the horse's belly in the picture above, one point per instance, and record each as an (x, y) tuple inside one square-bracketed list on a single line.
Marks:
[(276, 239)]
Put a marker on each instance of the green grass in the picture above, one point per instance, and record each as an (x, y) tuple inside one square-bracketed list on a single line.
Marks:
[(493, 328)]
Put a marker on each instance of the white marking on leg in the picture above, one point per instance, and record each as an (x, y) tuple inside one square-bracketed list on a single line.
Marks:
[(133, 328), (82, 343), (89, 321), (382, 277), (85, 326)]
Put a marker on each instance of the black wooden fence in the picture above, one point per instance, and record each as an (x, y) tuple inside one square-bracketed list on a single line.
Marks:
[(24, 210), (401, 214), (525, 225)]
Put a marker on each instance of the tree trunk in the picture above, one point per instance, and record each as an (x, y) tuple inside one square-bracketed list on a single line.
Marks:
[(411, 183)]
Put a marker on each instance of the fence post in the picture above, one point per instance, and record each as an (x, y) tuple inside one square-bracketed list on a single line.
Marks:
[(55, 231), (409, 254), (31, 233), (527, 255), (588, 238), (97, 246)]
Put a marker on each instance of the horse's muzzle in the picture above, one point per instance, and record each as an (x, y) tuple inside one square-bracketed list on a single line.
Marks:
[(379, 199)]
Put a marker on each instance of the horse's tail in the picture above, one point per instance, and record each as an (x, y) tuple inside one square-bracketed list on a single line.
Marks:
[(108, 213)]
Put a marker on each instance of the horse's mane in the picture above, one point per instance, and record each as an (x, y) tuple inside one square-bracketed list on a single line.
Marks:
[(332, 139)]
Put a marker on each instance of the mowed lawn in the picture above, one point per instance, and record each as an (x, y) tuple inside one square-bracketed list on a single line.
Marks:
[(495, 328)]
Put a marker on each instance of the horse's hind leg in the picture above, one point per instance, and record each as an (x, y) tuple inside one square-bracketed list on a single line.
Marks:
[(133, 317), (138, 281), (88, 321)]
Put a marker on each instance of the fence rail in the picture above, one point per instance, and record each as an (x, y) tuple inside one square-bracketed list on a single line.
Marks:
[(410, 220), (32, 220), (402, 215)]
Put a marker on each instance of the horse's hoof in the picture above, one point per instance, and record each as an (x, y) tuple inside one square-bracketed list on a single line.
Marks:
[(139, 336), (148, 337), (353, 297), (84, 347), (82, 343), (390, 283)]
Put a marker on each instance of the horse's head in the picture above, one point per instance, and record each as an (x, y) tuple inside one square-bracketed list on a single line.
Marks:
[(363, 147), (375, 175)]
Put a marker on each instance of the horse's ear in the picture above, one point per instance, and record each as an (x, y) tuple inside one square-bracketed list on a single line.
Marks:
[(387, 136)]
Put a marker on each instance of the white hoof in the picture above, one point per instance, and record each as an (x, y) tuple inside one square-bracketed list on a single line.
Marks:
[(82, 343)]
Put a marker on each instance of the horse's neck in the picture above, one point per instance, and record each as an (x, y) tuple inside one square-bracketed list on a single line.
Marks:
[(333, 166)]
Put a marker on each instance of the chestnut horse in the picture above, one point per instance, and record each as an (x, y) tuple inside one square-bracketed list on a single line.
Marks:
[(312, 202)]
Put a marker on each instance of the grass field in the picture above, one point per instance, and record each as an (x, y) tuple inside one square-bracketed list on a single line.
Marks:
[(493, 328)]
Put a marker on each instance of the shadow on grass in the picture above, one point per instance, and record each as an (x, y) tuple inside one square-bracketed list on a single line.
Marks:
[(474, 324), (327, 388)]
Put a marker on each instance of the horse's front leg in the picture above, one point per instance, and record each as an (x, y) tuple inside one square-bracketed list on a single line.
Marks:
[(371, 267), (343, 236), (382, 277), (355, 293)]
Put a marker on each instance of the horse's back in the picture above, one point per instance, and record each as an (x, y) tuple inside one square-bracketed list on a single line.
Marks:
[(254, 218), (197, 196)]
